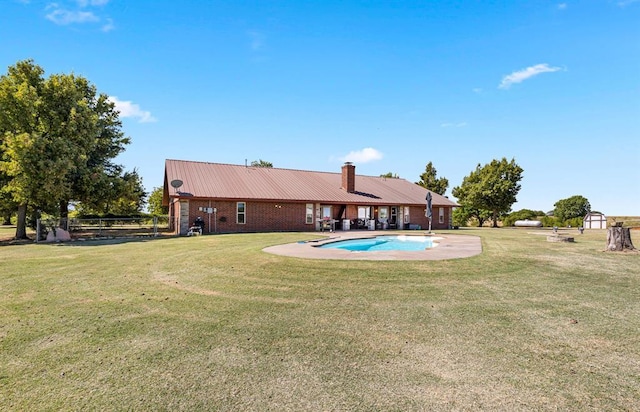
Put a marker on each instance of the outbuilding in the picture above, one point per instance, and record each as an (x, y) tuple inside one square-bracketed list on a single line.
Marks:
[(595, 220), (240, 198)]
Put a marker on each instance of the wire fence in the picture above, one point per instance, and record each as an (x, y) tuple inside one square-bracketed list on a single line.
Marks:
[(51, 230)]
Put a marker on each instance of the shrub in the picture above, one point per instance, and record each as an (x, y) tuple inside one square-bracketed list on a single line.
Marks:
[(550, 221), (575, 222)]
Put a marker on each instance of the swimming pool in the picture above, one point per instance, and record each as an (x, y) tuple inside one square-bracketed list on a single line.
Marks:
[(384, 243)]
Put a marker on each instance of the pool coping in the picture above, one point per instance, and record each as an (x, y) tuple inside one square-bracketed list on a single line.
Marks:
[(449, 247)]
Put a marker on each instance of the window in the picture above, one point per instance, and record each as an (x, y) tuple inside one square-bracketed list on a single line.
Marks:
[(364, 212), (441, 214), (309, 213), (383, 213), (326, 212), (241, 212), (394, 216)]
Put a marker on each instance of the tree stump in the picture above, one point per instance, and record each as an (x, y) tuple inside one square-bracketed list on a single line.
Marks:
[(619, 238)]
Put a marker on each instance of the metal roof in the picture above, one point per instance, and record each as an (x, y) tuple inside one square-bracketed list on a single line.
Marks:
[(241, 182)]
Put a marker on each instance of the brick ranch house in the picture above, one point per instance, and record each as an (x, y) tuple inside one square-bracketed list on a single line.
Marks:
[(238, 198)]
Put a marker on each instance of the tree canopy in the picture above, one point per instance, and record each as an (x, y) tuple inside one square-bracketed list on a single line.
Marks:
[(430, 181), (572, 207), (124, 196), (58, 139), (522, 214), (462, 215), (154, 204), (390, 175), (492, 187), (261, 163)]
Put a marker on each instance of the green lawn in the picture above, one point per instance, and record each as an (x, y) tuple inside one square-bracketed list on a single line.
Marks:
[(214, 323)]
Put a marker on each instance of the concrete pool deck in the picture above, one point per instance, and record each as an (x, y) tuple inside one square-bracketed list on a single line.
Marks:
[(448, 247)]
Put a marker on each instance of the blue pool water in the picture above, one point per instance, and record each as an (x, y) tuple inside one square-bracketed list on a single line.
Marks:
[(386, 243)]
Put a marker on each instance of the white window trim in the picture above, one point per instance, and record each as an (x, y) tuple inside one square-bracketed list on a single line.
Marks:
[(309, 216), (243, 213)]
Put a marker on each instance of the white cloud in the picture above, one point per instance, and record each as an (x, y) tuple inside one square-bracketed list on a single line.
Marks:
[(562, 6), (365, 155), (524, 74), (624, 3), (85, 3), (130, 109), (64, 17), (79, 13), (477, 90), (108, 26)]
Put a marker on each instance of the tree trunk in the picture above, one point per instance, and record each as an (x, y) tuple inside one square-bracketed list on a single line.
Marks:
[(64, 214), (619, 239), (21, 227)]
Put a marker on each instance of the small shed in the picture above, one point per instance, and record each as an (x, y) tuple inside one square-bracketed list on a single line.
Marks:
[(595, 220)]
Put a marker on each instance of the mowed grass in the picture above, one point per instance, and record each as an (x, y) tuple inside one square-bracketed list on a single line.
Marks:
[(214, 323)]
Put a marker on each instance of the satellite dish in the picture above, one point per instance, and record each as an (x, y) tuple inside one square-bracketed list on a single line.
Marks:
[(176, 183)]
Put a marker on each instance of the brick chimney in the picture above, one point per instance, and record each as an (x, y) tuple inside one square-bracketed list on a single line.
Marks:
[(349, 177)]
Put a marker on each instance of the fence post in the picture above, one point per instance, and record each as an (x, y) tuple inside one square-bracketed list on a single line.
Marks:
[(38, 230), (155, 226)]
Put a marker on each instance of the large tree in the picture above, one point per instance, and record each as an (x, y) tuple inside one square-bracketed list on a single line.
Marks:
[(492, 187), (463, 214), (131, 195), (58, 137), (96, 176), (430, 181), (24, 150), (122, 195), (7, 205), (572, 207), (155, 206)]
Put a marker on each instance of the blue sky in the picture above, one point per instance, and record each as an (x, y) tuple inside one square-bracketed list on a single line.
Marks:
[(389, 85)]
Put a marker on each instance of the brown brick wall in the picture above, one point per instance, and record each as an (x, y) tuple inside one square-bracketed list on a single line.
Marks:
[(417, 217), (259, 217), (351, 212), (285, 217)]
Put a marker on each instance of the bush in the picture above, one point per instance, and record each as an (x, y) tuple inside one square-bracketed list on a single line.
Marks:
[(575, 222), (550, 221)]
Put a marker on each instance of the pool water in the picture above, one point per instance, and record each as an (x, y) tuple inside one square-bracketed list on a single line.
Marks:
[(383, 243)]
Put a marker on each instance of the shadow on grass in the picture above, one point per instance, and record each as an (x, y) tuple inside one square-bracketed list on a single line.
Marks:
[(96, 241)]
